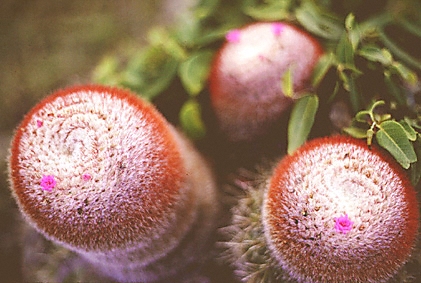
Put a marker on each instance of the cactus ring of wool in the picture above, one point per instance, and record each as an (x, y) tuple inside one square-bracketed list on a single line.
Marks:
[(337, 211), (101, 172)]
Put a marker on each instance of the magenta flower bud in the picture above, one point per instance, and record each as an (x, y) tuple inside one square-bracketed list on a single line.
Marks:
[(343, 224)]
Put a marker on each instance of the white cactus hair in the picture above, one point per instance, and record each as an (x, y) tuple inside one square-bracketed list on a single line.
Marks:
[(245, 80), (324, 182), (285, 226), (101, 172)]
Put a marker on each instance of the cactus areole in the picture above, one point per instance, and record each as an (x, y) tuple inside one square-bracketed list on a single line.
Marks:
[(337, 211), (246, 75), (101, 172)]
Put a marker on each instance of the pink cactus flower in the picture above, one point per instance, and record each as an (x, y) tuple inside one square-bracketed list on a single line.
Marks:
[(233, 35), (48, 183), (277, 28), (86, 177), (343, 224)]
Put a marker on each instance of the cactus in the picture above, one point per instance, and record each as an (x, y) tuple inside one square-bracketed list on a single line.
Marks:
[(245, 79), (333, 211), (102, 173)]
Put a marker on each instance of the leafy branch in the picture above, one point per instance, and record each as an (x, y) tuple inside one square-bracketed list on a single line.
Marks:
[(400, 138), (357, 47)]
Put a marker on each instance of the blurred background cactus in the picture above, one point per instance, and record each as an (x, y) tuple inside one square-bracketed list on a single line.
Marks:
[(372, 54)]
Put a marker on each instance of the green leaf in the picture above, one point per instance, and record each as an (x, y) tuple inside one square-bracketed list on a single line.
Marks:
[(208, 36), (287, 83), (374, 115), (350, 85), (187, 31), (410, 132), (301, 121), (325, 62), (106, 71), (275, 10), (161, 37), (356, 132), (370, 135), (353, 30), (314, 20), (393, 138), (376, 54), (345, 52), (194, 71), (150, 72), (364, 116), (191, 119), (376, 104), (205, 8), (405, 73), (415, 169)]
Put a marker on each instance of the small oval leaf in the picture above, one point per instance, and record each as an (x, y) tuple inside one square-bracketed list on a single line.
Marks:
[(194, 71), (405, 73), (376, 54), (356, 132), (276, 10), (191, 119), (322, 67), (318, 22), (415, 169), (150, 72), (287, 83), (410, 132), (393, 138), (301, 121)]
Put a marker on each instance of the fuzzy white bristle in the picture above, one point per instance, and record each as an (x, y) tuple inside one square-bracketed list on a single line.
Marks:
[(102, 173), (335, 211), (245, 81)]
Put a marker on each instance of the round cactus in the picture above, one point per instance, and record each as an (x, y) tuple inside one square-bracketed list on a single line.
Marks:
[(245, 79), (333, 211), (102, 173)]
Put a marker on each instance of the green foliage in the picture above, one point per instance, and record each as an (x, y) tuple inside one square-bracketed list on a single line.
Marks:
[(301, 121), (326, 62), (287, 83), (194, 71), (317, 21), (271, 10), (399, 138), (391, 135), (191, 120), (369, 56)]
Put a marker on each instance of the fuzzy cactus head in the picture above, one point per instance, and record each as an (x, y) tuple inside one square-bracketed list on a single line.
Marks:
[(245, 80), (337, 211), (95, 168), (101, 172)]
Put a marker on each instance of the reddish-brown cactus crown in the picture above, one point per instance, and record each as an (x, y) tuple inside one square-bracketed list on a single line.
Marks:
[(245, 80), (338, 211), (96, 168)]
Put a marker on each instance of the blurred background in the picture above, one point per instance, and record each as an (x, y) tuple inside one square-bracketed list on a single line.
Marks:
[(45, 45)]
